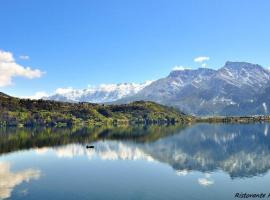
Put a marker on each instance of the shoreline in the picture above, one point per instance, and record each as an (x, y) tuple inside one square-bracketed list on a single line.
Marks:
[(234, 119), (190, 120)]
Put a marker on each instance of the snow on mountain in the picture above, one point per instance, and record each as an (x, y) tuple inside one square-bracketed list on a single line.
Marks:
[(235, 89), (244, 74), (167, 89), (97, 94)]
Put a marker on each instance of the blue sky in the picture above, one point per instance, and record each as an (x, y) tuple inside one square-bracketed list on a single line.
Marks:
[(82, 42)]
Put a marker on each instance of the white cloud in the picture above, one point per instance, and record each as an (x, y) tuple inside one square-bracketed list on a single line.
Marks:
[(64, 90), (24, 57), (180, 68), (9, 180), (204, 65), (37, 95), (9, 69), (201, 59), (6, 56)]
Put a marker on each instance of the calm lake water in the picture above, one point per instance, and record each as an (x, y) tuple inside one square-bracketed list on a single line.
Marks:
[(203, 161)]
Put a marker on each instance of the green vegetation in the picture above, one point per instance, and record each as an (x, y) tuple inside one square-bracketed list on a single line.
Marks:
[(25, 112), (28, 113)]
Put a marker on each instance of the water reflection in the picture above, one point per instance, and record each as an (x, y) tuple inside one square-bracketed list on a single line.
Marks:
[(206, 181), (9, 180), (104, 150), (239, 150), (21, 139)]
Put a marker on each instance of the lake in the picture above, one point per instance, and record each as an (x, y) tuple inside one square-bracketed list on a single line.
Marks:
[(201, 161)]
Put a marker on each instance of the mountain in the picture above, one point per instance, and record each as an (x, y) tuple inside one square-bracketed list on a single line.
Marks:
[(26, 112), (100, 94), (238, 88)]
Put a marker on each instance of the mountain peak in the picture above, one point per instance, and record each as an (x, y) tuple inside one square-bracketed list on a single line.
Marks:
[(191, 72), (239, 65), (98, 94), (203, 91)]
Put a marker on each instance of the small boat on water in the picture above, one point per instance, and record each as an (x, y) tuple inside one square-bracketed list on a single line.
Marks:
[(90, 147)]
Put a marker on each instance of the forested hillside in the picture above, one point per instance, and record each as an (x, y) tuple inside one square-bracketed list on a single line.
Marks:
[(25, 112)]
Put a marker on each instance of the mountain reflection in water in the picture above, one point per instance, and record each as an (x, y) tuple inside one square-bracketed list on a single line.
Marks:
[(239, 150)]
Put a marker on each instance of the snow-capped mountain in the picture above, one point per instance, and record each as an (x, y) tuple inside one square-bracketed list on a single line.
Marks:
[(97, 94), (242, 74), (238, 88)]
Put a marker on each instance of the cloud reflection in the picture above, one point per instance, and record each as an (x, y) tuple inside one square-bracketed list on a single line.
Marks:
[(182, 172), (206, 181), (239, 150), (109, 150), (9, 180)]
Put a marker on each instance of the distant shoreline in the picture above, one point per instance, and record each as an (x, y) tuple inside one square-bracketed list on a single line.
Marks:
[(234, 119)]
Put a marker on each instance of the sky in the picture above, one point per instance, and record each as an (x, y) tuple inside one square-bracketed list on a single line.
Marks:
[(48, 44)]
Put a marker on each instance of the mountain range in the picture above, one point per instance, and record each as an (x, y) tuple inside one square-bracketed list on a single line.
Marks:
[(98, 94), (237, 88)]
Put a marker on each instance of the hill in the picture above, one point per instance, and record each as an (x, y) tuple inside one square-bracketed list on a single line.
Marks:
[(25, 112)]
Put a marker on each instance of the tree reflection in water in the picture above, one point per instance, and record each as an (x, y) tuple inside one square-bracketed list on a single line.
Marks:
[(241, 150)]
